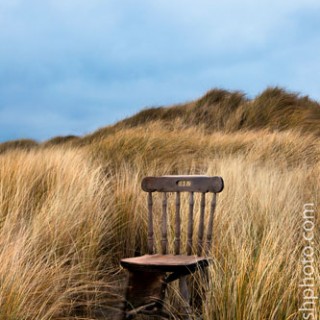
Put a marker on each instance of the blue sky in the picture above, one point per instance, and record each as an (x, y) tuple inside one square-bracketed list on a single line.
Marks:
[(72, 66)]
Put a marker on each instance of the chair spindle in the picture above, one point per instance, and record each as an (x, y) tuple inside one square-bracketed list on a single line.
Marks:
[(177, 225), (164, 239), (210, 225), (190, 224), (150, 224), (201, 223)]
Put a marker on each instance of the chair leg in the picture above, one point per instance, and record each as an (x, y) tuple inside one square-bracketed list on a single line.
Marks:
[(184, 291)]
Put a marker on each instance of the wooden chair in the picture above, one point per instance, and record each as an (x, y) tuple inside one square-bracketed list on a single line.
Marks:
[(150, 274)]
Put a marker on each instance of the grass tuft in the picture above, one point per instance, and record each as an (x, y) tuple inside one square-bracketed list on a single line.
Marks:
[(22, 144)]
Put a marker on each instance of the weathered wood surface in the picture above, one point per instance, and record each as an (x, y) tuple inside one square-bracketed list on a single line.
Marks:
[(164, 238), (201, 224), (190, 224), (210, 224), (162, 260), (150, 225), (177, 229), (189, 183)]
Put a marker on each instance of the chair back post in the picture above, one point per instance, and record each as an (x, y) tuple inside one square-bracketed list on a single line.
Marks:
[(164, 238), (150, 224), (177, 231), (201, 224), (210, 224), (190, 224)]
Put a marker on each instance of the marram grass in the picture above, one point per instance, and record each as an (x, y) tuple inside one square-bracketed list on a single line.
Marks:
[(68, 214)]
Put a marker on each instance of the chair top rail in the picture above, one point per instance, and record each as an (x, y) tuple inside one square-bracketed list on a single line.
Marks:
[(188, 183)]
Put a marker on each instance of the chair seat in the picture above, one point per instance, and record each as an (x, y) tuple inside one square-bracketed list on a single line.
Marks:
[(164, 263)]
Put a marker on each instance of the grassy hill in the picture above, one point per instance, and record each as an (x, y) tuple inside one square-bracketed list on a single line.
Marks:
[(218, 110), (71, 207)]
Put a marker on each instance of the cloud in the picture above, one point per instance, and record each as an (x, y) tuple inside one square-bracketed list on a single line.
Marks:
[(84, 64)]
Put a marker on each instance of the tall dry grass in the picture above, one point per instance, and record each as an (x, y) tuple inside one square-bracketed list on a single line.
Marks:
[(54, 222), (69, 214)]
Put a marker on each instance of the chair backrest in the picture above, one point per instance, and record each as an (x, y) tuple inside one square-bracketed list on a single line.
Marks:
[(178, 184)]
